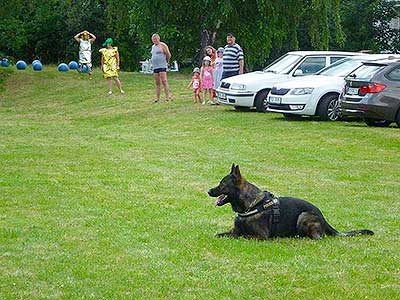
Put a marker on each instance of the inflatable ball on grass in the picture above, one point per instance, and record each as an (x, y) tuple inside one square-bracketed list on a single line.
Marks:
[(73, 65), (5, 63), (21, 65), (63, 67), (37, 66)]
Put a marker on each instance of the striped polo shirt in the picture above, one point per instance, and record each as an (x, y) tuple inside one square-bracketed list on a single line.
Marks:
[(232, 55)]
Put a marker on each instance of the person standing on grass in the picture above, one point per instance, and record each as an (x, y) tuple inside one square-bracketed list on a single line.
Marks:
[(196, 85), (212, 53), (233, 60), (218, 67), (160, 56), (85, 40), (206, 78), (110, 65)]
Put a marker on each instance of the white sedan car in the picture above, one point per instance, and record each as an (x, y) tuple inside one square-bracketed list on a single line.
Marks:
[(317, 94), (251, 89)]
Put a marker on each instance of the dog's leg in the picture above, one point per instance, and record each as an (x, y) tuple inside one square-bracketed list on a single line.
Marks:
[(229, 234), (310, 224)]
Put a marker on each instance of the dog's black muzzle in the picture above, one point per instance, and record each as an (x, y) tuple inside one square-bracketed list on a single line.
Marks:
[(214, 192)]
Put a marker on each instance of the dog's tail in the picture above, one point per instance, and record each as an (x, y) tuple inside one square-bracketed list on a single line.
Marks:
[(333, 232), (357, 232)]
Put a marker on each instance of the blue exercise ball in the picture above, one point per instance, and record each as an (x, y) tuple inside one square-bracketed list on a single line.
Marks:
[(84, 69), (63, 67), (35, 62), (73, 65), (5, 63), (21, 65), (37, 66)]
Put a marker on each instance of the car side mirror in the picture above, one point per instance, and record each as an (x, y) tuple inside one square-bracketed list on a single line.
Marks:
[(298, 72)]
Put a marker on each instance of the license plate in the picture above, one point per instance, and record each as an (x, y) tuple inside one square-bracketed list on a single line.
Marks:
[(274, 100), (221, 96), (352, 91)]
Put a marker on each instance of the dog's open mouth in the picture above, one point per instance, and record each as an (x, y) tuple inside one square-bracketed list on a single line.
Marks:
[(221, 200)]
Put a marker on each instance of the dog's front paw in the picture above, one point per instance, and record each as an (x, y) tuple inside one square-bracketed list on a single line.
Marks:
[(228, 234)]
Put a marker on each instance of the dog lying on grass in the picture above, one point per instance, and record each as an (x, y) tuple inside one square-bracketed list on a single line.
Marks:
[(261, 215)]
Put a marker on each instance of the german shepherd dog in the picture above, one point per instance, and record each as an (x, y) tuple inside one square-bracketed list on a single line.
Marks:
[(261, 215)]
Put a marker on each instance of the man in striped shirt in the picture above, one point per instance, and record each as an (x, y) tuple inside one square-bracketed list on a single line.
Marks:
[(233, 60)]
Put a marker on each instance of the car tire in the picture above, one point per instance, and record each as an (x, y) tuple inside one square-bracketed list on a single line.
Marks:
[(398, 119), (292, 117), (260, 101), (242, 108), (377, 123), (329, 108)]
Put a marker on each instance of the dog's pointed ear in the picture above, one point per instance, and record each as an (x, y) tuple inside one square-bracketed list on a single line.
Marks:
[(233, 168), (237, 172)]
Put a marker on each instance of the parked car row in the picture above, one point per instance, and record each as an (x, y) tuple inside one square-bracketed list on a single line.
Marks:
[(311, 83)]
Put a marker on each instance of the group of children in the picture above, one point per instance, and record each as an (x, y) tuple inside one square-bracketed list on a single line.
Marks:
[(208, 77)]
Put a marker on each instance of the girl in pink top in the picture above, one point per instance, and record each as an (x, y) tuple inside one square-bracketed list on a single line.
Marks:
[(196, 85), (207, 82)]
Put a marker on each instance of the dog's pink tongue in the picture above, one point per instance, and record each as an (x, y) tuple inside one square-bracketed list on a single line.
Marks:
[(220, 200)]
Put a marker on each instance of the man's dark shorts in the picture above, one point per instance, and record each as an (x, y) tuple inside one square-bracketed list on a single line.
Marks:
[(229, 74)]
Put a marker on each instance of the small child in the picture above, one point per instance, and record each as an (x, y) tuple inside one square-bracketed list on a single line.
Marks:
[(218, 68), (196, 85), (206, 77), (110, 65)]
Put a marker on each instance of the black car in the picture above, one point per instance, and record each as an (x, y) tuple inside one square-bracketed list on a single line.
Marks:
[(372, 92)]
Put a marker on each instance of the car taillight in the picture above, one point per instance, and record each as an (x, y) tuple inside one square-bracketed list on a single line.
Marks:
[(372, 88)]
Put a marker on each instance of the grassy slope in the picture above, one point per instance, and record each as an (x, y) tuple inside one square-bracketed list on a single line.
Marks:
[(105, 197)]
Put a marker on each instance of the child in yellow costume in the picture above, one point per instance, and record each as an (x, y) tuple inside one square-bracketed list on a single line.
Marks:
[(110, 64)]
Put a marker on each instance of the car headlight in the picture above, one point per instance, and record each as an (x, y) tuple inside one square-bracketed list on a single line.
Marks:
[(237, 86), (302, 91)]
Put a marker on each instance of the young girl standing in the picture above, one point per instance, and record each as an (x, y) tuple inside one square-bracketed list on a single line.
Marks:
[(110, 65), (206, 75), (196, 85)]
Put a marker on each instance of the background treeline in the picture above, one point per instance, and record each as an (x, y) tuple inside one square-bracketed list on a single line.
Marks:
[(265, 29)]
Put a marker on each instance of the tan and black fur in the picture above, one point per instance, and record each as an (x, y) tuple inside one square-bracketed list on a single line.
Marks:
[(297, 217)]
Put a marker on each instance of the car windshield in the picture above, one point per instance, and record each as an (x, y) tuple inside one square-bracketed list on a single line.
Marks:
[(341, 68), (283, 64)]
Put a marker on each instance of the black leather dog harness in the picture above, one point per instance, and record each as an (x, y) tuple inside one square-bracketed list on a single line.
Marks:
[(269, 205)]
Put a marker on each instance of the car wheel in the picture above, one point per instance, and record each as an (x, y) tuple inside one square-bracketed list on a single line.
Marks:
[(292, 117), (261, 101), (377, 123), (329, 108), (242, 108)]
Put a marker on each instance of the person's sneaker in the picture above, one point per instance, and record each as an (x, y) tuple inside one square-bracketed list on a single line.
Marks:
[(203, 103), (122, 92), (109, 93)]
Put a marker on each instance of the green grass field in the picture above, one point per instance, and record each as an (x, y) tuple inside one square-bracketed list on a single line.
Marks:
[(105, 197)]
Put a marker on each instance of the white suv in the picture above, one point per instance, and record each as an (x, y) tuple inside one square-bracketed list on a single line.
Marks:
[(317, 94), (251, 89)]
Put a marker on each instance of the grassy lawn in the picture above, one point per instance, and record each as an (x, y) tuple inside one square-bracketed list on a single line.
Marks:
[(105, 197)]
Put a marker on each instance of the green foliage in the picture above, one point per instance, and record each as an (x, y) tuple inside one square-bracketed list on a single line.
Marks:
[(264, 28)]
